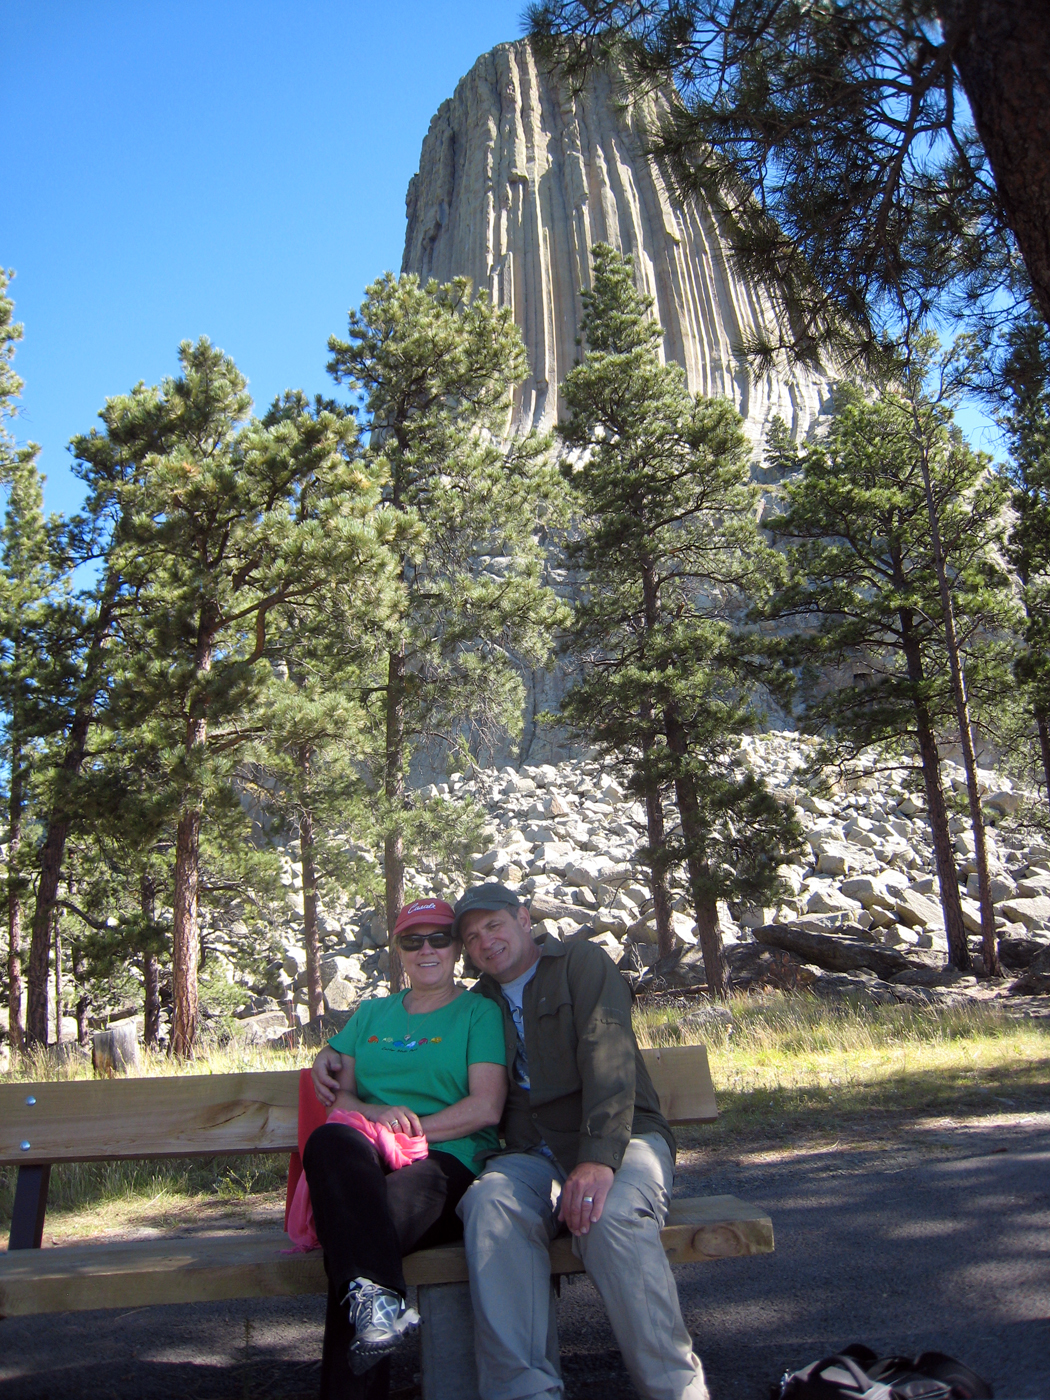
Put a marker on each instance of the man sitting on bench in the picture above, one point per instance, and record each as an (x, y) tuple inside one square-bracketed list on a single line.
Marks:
[(587, 1146)]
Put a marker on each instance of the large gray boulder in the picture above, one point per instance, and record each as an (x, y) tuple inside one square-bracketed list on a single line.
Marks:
[(260, 1030)]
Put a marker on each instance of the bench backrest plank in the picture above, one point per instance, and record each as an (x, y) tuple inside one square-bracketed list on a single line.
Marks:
[(194, 1115), (203, 1115), (681, 1076)]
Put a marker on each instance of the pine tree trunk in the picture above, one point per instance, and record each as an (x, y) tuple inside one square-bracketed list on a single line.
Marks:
[(83, 1002), (83, 1029), (711, 945), (654, 808), (150, 967), (1002, 55), (654, 817), (185, 935), (944, 856), (989, 942), (185, 928), (393, 846), (151, 1001), (52, 853), (1044, 748), (311, 938), (14, 896), (716, 966), (58, 979)]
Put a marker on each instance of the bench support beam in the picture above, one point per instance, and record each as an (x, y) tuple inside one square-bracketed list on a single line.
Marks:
[(27, 1217), (446, 1339)]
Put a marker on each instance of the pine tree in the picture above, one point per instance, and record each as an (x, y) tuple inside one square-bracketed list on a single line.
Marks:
[(668, 547), (435, 370), (81, 649), (28, 578), (863, 587), (874, 158), (1026, 422), (214, 532)]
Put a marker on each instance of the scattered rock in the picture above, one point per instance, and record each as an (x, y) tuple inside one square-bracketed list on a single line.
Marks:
[(915, 910), (841, 858), (260, 1030), (707, 1016), (568, 836), (341, 995), (1033, 912), (1018, 953)]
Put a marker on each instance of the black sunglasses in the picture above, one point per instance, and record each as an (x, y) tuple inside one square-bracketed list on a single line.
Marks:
[(412, 942)]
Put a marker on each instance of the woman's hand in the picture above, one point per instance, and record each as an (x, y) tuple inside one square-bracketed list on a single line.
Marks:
[(397, 1118)]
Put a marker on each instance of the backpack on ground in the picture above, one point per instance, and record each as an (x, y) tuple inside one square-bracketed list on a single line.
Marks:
[(856, 1373)]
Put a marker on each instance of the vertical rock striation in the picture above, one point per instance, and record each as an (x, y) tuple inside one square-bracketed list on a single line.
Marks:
[(519, 177)]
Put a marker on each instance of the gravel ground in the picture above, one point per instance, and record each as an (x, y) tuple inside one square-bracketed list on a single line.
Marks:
[(933, 1236)]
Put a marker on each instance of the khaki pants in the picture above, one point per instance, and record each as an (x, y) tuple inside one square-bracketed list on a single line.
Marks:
[(510, 1216)]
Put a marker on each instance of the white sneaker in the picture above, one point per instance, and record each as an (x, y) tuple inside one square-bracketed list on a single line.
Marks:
[(380, 1318)]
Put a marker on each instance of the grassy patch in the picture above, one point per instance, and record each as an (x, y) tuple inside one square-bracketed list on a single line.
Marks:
[(793, 1062)]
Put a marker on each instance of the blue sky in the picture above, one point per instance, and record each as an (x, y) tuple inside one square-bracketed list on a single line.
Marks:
[(229, 169)]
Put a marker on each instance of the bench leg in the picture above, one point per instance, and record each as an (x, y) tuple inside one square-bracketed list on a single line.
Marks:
[(447, 1342), (27, 1217)]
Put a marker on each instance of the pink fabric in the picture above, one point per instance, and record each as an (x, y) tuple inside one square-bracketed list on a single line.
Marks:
[(395, 1150)]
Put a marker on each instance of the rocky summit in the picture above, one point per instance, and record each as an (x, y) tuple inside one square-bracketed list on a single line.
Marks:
[(523, 170), (860, 915)]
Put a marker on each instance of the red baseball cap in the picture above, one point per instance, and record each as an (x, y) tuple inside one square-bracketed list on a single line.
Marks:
[(424, 911)]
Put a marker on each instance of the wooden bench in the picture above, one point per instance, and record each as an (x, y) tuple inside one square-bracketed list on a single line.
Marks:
[(226, 1114)]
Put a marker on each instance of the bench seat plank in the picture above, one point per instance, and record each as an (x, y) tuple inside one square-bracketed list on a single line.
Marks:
[(210, 1268)]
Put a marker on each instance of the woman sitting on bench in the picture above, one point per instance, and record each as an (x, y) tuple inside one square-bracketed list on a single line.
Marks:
[(429, 1064)]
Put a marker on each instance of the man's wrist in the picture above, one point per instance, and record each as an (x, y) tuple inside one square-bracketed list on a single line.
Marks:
[(602, 1153)]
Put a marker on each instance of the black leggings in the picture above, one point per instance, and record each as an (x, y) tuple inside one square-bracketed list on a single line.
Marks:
[(366, 1218)]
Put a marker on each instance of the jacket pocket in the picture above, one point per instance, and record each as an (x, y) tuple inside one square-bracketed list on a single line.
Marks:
[(552, 1060)]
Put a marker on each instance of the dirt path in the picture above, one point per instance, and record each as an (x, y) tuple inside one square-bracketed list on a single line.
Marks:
[(920, 1234)]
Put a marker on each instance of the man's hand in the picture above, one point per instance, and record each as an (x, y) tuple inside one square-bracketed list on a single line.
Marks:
[(583, 1195), (324, 1073)]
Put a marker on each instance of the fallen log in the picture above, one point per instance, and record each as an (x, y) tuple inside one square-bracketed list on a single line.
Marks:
[(836, 952)]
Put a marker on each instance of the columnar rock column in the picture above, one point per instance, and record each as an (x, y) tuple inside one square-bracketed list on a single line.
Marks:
[(519, 177)]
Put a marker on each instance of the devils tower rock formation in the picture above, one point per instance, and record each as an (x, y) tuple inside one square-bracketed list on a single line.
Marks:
[(519, 177)]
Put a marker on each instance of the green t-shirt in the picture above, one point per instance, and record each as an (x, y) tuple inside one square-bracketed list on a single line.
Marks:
[(421, 1061)]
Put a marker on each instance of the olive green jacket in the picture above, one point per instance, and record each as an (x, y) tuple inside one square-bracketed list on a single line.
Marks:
[(590, 1090)]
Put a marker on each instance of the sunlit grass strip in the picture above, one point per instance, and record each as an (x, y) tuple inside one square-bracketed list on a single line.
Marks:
[(792, 1062)]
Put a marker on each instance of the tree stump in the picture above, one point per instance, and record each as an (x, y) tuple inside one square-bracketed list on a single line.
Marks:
[(116, 1049)]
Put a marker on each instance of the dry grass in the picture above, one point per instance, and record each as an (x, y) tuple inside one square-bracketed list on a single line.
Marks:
[(792, 1067), (794, 1063)]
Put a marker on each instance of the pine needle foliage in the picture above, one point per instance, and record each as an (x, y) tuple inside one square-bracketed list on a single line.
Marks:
[(839, 142)]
